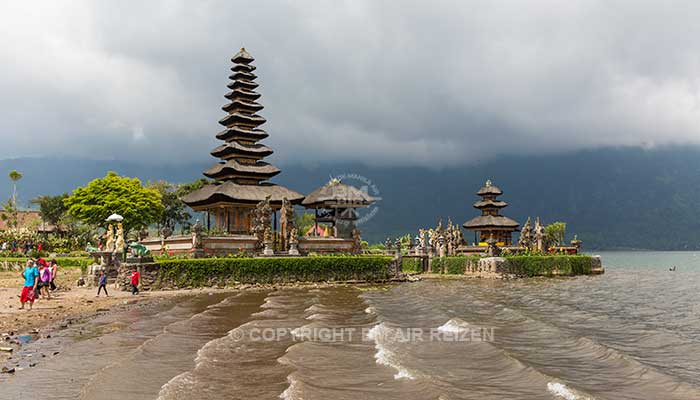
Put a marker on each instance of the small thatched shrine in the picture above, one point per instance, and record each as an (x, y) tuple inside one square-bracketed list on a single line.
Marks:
[(241, 174), (490, 222), (335, 204)]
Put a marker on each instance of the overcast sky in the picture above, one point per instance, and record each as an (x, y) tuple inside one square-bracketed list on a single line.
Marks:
[(386, 82)]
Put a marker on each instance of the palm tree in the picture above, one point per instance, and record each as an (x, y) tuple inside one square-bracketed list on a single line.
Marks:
[(14, 177)]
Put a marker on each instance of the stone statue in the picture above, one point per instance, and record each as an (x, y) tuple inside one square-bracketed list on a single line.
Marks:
[(197, 235), (438, 230), (293, 236), (432, 238), (138, 250), (109, 238), (525, 239), (286, 221), (441, 246), (449, 236), (356, 241), (262, 217), (293, 242), (267, 242), (539, 235), (166, 232), (492, 250), (421, 240), (119, 244)]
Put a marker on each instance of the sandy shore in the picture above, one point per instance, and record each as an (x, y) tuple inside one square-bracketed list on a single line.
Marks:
[(68, 305)]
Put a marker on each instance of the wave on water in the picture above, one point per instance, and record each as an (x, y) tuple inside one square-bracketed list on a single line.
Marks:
[(315, 308), (370, 310), (315, 316), (292, 391), (561, 390), (379, 333), (455, 325)]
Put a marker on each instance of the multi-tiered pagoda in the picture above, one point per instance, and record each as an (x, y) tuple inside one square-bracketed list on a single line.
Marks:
[(241, 175), (490, 222)]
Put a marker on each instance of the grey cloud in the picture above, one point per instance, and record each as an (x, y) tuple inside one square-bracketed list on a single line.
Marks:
[(390, 82)]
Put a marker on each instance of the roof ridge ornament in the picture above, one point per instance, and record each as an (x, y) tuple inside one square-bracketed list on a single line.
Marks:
[(488, 183)]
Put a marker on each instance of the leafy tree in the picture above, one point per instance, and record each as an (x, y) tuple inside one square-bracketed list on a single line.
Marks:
[(555, 232), (125, 196), (175, 211), (10, 208), (10, 214), (187, 188), (14, 177), (52, 208), (304, 222)]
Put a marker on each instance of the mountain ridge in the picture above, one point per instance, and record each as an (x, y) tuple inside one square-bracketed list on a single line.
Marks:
[(614, 198)]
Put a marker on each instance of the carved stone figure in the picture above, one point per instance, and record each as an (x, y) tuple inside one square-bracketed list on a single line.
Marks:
[(356, 241), (492, 250), (286, 221), (197, 235), (442, 249), (166, 232), (539, 235), (526, 235), (109, 238), (293, 242), (262, 217), (119, 243), (267, 242), (138, 250)]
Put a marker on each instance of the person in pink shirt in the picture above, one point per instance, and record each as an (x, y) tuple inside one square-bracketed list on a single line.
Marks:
[(44, 280)]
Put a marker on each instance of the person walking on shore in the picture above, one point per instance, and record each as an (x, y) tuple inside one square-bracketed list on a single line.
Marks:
[(53, 266), (135, 278), (31, 279), (44, 279), (102, 282)]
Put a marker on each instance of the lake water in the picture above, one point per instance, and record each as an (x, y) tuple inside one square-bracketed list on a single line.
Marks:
[(632, 333)]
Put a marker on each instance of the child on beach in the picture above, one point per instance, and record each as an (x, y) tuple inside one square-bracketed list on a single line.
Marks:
[(45, 280), (53, 265), (135, 277), (102, 282), (31, 279)]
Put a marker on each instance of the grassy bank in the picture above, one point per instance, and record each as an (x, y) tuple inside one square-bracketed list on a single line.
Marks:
[(550, 265), (7, 263), (222, 271), (523, 265)]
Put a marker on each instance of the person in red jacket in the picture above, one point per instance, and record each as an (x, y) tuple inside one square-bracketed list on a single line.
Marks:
[(135, 278)]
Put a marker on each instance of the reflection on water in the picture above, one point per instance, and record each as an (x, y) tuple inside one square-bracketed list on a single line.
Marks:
[(632, 333)]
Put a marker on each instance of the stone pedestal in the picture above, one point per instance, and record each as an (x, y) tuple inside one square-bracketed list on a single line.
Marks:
[(293, 251), (267, 250), (492, 264)]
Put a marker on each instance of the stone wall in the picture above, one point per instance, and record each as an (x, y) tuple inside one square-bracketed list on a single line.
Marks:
[(325, 245), (148, 271)]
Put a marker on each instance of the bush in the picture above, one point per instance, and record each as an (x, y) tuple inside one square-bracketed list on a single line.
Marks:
[(212, 271), (550, 265), (411, 265), (63, 262), (453, 265)]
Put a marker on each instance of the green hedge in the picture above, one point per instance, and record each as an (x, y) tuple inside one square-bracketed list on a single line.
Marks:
[(411, 265), (213, 271), (63, 262), (453, 265), (550, 265)]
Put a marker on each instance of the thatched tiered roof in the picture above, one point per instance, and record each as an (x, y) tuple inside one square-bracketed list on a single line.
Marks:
[(241, 173), (337, 195), (490, 206)]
